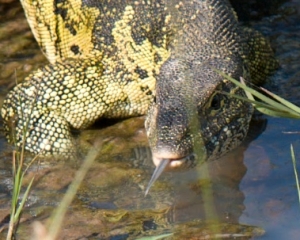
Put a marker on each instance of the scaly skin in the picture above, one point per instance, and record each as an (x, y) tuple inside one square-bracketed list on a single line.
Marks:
[(113, 58)]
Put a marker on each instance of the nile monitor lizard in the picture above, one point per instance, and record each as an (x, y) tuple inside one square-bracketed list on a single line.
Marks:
[(114, 59)]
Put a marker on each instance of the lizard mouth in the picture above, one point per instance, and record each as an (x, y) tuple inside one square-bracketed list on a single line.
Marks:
[(167, 163)]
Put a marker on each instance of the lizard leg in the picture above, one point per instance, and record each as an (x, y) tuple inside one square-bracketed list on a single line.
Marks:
[(74, 94)]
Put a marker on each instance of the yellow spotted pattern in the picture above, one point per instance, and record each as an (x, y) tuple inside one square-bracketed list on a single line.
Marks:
[(105, 57), (55, 34), (97, 69)]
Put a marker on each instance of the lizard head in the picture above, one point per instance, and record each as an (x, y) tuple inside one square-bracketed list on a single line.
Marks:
[(191, 119)]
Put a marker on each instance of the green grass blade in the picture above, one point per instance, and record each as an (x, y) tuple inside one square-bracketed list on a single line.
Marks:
[(248, 94), (295, 171), (279, 107), (277, 113), (60, 212), (17, 186), (254, 102), (266, 108), (257, 94), (24, 198), (282, 100)]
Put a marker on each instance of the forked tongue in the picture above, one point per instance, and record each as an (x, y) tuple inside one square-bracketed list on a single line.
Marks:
[(157, 172)]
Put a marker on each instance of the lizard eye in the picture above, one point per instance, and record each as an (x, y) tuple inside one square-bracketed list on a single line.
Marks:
[(215, 103)]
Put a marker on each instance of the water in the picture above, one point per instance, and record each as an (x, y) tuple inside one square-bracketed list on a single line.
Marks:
[(271, 199), (253, 185), (269, 186)]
